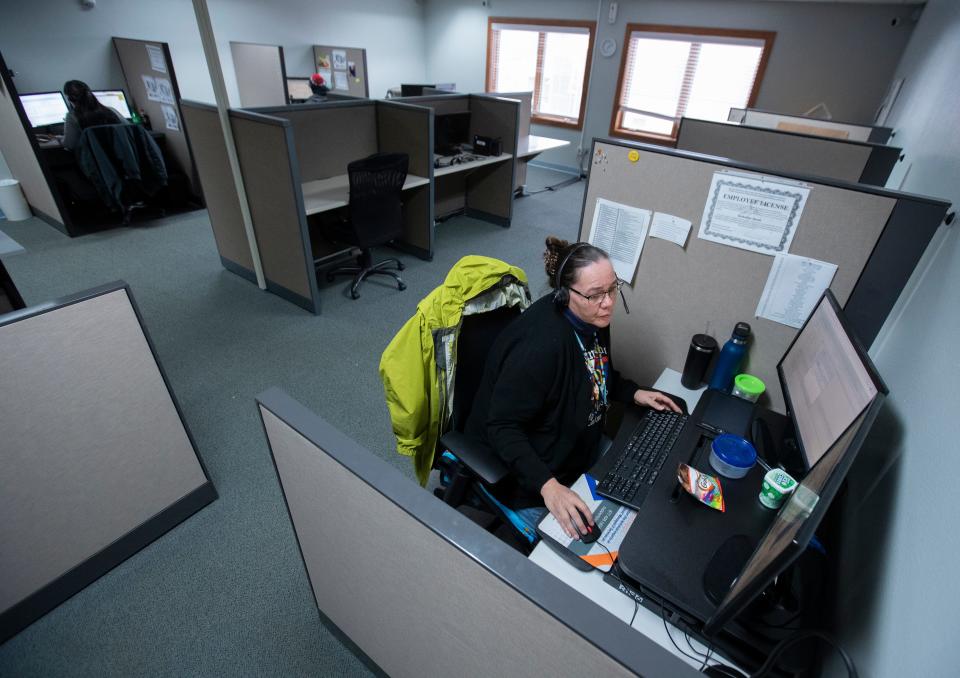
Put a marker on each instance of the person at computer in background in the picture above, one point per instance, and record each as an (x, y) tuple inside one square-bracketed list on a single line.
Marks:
[(547, 384), (319, 88), (86, 112)]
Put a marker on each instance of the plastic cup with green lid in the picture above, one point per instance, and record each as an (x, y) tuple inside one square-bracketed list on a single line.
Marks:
[(748, 387)]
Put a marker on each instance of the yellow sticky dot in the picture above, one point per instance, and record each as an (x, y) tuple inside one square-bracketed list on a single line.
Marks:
[(633, 156)]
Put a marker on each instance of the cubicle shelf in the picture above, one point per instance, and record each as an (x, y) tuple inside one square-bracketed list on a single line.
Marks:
[(323, 195), (468, 166)]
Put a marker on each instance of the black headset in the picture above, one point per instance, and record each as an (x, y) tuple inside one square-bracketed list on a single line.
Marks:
[(561, 295)]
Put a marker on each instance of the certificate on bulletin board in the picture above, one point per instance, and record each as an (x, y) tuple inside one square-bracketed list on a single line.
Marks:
[(753, 213)]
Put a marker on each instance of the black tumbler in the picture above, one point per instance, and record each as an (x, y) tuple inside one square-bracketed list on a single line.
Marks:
[(702, 348)]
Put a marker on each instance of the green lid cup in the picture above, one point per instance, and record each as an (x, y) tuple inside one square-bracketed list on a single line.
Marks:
[(748, 387), (777, 486)]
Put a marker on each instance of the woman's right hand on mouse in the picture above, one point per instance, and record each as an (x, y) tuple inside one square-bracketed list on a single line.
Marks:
[(562, 502)]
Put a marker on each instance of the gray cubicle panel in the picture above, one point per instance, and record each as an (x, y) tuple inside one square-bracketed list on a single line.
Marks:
[(19, 148), (523, 131), (485, 192), (149, 61), (219, 192), (419, 588), (349, 63), (97, 459), (271, 178), (786, 151), (800, 123), (875, 237), (261, 74)]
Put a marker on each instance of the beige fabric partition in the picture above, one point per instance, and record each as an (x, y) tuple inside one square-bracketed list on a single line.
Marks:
[(707, 286), (523, 130), (94, 449), (265, 153), (19, 154), (260, 74), (136, 63), (338, 60), (326, 141), (216, 179), (775, 150), (490, 189), (418, 602)]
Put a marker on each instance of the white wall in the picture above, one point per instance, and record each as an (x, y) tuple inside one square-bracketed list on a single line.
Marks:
[(47, 42), (901, 589), (843, 55)]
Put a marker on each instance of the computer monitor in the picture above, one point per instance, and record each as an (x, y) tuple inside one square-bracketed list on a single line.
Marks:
[(115, 99), (449, 131), (298, 89), (44, 108), (828, 376)]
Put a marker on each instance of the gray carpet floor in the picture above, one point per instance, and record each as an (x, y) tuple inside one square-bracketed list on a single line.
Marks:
[(225, 593)]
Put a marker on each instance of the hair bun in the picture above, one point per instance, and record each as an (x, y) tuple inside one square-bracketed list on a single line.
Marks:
[(551, 257)]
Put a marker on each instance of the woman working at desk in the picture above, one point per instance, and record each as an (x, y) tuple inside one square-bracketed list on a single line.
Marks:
[(87, 112), (547, 384)]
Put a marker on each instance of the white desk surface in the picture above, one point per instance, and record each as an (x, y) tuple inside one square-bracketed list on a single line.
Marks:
[(333, 192), (533, 145), (591, 583), (468, 166)]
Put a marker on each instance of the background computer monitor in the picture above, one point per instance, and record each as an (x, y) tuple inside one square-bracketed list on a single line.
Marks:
[(449, 131), (44, 108), (825, 364), (115, 99), (298, 89)]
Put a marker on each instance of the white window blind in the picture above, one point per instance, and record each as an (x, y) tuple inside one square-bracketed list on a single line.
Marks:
[(551, 61), (671, 75)]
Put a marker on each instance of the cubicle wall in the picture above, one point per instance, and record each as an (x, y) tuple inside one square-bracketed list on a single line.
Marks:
[(20, 152), (523, 129), (800, 123), (97, 460), (343, 66), (419, 588), (787, 151), (260, 72), (152, 85), (219, 191), (875, 237)]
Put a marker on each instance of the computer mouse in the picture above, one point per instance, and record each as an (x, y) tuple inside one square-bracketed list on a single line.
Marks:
[(594, 532)]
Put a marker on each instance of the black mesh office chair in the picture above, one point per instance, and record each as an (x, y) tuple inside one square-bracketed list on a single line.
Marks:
[(376, 215)]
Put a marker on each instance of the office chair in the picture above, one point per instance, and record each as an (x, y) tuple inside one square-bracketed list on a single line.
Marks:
[(376, 215), (125, 165)]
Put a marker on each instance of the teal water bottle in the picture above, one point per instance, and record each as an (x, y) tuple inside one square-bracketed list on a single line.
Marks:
[(730, 358)]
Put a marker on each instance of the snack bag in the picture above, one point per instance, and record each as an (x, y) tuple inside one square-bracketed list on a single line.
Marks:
[(704, 487)]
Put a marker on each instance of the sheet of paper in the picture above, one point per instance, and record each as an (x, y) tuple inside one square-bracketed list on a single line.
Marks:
[(620, 230), (670, 227), (614, 520), (340, 80), (340, 59), (327, 76), (758, 213), (793, 288), (157, 62), (150, 85), (164, 91), (170, 118)]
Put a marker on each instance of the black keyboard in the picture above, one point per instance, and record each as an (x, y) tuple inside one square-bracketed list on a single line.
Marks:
[(637, 467)]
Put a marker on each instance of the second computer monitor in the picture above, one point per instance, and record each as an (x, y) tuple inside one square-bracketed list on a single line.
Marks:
[(450, 130), (115, 99), (44, 108)]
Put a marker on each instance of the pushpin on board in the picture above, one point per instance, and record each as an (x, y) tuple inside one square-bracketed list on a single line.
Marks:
[(633, 156)]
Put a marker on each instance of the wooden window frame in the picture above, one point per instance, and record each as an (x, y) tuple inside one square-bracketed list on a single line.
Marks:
[(670, 140), (535, 117)]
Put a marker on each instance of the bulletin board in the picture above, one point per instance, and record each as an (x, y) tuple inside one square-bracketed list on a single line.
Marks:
[(343, 68), (705, 286)]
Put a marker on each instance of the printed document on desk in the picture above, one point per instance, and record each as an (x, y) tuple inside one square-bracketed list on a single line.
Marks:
[(613, 519), (620, 231), (793, 288)]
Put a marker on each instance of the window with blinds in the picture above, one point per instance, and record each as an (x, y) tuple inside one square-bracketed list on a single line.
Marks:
[(670, 72), (549, 58)]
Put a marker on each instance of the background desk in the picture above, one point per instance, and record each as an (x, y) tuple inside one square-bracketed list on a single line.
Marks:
[(528, 148), (455, 185), (591, 583), (323, 195)]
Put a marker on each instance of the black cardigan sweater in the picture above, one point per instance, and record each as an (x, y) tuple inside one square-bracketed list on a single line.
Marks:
[(534, 400)]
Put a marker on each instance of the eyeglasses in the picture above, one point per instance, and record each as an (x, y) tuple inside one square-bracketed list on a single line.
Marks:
[(597, 299)]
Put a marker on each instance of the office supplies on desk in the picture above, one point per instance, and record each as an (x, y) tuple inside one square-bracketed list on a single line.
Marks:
[(487, 145)]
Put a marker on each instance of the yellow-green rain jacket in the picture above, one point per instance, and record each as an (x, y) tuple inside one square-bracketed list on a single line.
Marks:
[(419, 365)]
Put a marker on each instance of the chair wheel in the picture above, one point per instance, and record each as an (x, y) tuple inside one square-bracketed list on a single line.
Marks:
[(400, 266), (330, 277), (401, 286), (355, 295)]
